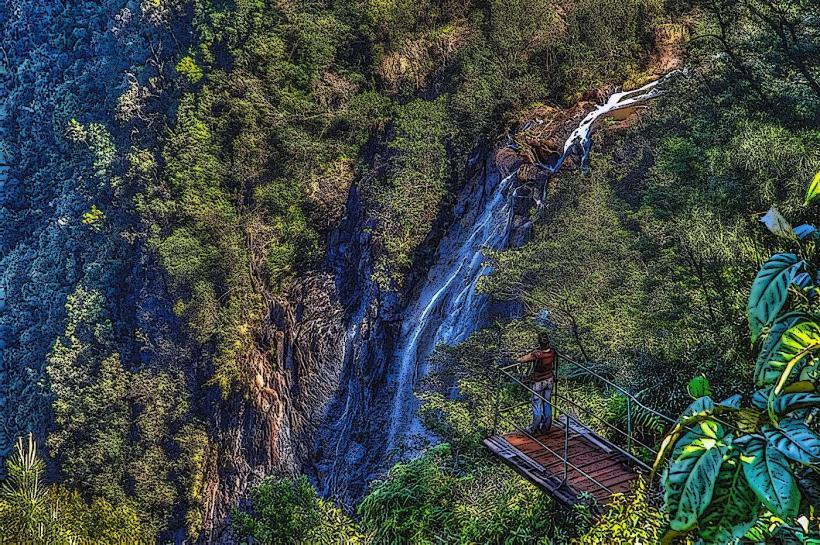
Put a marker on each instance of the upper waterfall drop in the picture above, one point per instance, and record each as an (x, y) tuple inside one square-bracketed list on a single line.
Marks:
[(448, 308)]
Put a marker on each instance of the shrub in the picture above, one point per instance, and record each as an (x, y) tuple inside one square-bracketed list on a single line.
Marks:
[(285, 512), (188, 69), (33, 512)]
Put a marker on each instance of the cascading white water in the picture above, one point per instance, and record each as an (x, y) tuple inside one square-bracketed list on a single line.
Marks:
[(448, 308)]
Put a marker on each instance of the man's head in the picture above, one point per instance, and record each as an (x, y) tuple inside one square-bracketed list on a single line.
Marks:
[(544, 341)]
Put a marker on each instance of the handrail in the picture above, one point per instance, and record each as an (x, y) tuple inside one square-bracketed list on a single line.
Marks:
[(603, 379), (629, 396), (615, 386), (575, 405), (668, 419)]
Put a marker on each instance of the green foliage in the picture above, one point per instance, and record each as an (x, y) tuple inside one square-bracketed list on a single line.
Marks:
[(409, 203), (596, 308), (768, 473), (770, 290), (608, 38), (432, 500), (33, 512), (233, 215), (289, 512), (814, 191), (733, 509), (414, 503), (699, 387), (94, 217), (767, 52), (630, 518), (187, 68), (112, 425), (721, 480), (690, 481), (98, 140)]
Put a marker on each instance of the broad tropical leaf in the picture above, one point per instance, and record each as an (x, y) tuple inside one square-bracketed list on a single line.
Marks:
[(760, 399), (795, 347), (748, 419), (734, 506), (770, 476), (802, 280), (699, 387), (776, 223), (809, 483), (798, 342), (794, 439), (797, 395), (770, 290), (786, 403), (731, 402), (802, 231), (698, 410), (689, 482), (813, 193), (768, 371)]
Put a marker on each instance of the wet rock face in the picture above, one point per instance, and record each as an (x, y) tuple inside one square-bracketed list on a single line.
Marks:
[(291, 373), (370, 421)]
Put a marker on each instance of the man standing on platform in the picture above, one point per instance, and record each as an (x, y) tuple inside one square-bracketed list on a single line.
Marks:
[(540, 381)]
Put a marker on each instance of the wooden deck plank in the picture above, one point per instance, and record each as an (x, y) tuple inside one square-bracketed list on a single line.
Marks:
[(607, 472)]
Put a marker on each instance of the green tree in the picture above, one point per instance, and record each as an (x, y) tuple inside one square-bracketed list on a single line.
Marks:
[(288, 511), (33, 512), (121, 434)]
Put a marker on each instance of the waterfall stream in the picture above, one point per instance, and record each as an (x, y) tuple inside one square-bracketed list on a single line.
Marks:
[(448, 308)]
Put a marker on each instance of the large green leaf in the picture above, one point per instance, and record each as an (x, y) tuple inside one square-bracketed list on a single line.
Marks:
[(699, 387), (689, 482), (770, 476), (787, 403), (796, 344), (813, 193), (795, 440), (734, 506), (770, 290), (702, 406), (767, 371), (797, 396), (698, 410)]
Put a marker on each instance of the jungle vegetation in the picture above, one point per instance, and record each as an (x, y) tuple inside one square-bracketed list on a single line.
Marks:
[(204, 149)]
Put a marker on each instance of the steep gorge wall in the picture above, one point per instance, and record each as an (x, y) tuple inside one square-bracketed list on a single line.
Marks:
[(292, 370), (319, 379)]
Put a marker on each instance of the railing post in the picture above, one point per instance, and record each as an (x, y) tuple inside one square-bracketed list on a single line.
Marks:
[(628, 424), (498, 374), (566, 446), (554, 389)]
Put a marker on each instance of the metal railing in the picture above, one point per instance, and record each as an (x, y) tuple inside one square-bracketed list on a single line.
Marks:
[(633, 446), (563, 412)]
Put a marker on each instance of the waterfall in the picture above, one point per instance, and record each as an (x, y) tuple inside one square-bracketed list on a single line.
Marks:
[(448, 308)]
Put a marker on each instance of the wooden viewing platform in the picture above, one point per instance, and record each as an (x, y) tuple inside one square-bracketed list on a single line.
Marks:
[(604, 469)]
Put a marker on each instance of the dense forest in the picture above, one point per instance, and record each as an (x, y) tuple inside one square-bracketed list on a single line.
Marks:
[(264, 263)]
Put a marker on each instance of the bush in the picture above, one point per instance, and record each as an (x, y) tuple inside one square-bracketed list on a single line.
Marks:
[(289, 512), (434, 499), (629, 520)]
